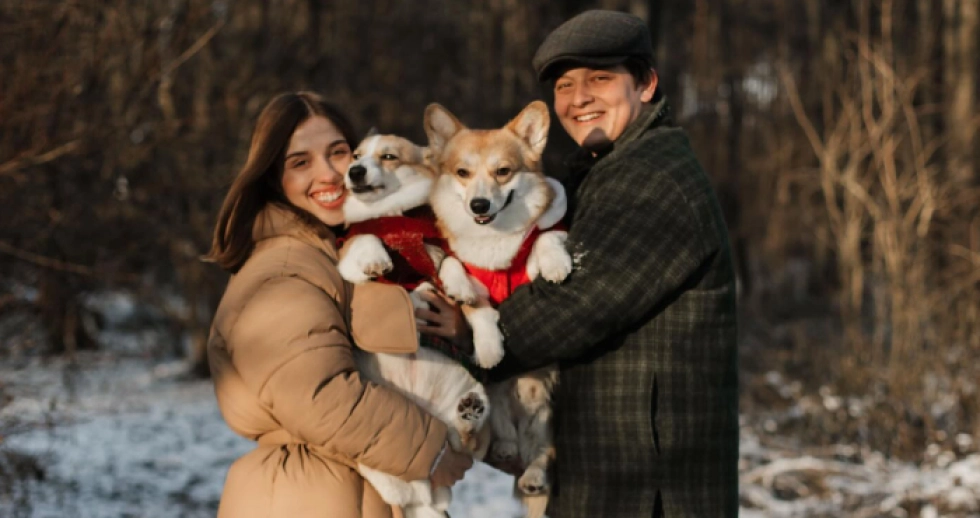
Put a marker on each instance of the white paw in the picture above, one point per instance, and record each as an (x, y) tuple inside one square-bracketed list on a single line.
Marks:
[(471, 412), (456, 282), (549, 258), (364, 258), (534, 481), (488, 343)]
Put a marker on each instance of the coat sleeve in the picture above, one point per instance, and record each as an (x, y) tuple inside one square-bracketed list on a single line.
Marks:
[(633, 246), (292, 352)]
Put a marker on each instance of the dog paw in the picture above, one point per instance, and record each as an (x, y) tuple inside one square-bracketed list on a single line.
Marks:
[(471, 410), (534, 481), (549, 258), (365, 258), (488, 343), (456, 282)]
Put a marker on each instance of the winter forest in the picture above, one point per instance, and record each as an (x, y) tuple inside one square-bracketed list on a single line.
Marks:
[(841, 137)]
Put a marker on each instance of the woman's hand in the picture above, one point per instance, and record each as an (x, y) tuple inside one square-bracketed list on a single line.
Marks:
[(445, 319), (451, 468)]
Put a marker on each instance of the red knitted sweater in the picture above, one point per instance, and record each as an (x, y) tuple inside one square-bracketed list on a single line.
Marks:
[(405, 238)]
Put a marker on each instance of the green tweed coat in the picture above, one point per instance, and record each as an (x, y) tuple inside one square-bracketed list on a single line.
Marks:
[(644, 330)]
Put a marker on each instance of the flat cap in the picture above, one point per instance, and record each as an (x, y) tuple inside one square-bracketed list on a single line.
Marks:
[(594, 39)]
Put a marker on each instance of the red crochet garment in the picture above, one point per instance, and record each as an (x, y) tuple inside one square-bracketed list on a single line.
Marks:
[(501, 283), (405, 238)]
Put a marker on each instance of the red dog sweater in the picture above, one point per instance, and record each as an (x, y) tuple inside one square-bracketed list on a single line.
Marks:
[(405, 238)]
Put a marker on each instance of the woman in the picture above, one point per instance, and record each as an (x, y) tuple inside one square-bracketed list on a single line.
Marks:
[(280, 349)]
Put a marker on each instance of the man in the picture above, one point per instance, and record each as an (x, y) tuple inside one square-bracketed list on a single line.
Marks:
[(644, 328)]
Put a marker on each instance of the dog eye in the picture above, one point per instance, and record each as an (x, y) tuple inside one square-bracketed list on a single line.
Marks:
[(462, 173), (356, 156), (388, 156), (503, 171)]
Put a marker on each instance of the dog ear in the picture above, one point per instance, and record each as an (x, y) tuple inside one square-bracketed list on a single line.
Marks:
[(371, 132), (531, 125), (440, 127)]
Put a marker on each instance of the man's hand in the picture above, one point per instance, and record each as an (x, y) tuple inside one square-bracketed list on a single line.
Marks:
[(445, 319), (451, 468)]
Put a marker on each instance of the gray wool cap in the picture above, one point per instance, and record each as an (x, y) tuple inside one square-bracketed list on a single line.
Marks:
[(594, 39)]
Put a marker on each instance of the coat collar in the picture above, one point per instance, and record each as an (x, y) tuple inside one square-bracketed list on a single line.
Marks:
[(277, 221), (651, 115)]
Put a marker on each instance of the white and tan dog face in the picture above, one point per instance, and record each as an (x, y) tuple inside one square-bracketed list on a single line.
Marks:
[(493, 177), (382, 164), (388, 175)]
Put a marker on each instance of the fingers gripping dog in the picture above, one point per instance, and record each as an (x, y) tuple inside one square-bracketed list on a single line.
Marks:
[(392, 237), (500, 216)]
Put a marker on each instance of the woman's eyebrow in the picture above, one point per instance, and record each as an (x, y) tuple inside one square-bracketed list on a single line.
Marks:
[(295, 153), (337, 143)]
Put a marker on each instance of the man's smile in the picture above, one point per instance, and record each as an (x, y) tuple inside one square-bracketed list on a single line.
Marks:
[(588, 117)]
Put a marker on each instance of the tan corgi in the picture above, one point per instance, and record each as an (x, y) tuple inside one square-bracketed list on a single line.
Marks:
[(497, 210), (392, 238)]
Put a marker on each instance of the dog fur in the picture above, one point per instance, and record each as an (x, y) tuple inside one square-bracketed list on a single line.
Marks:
[(388, 177), (491, 198)]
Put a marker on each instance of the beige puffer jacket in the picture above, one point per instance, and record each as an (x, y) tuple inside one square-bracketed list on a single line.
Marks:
[(284, 375)]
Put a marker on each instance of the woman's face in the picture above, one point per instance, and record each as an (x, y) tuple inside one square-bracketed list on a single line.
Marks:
[(313, 176)]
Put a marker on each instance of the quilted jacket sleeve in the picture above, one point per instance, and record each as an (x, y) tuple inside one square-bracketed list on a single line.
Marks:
[(635, 240), (290, 348)]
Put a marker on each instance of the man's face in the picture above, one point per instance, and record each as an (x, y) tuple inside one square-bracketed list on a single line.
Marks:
[(595, 105)]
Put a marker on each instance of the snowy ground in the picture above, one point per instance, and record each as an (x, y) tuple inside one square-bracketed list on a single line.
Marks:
[(120, 439), (126, 438)]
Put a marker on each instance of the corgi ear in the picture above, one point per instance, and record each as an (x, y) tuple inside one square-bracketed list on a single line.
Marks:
[(531, 125), (440, 127)]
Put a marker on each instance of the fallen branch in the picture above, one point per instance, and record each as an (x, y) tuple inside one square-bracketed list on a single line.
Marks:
[(11, 167), (766, 474), (63, 266)]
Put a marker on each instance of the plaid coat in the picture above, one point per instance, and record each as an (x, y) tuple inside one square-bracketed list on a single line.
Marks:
[(644, 331)]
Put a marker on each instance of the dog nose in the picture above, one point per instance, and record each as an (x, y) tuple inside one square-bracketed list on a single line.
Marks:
[(480, 205), (357, 173)]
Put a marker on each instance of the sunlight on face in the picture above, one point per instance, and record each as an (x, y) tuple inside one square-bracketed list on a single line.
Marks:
[(313, 174), (595, 105)]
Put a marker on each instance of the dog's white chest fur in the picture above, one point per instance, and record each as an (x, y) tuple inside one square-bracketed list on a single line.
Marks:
[(491, 252)]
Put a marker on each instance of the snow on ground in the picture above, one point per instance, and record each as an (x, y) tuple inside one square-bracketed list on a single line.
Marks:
[(121, 439), (128, 438)]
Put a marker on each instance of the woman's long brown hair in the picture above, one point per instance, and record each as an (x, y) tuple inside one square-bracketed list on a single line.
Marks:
[(259, 181)]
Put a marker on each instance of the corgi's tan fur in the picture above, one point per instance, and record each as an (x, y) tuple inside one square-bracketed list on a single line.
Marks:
[(389, 176), (489, 195)]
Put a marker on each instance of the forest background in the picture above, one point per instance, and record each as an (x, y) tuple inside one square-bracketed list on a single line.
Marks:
[(841, 137)]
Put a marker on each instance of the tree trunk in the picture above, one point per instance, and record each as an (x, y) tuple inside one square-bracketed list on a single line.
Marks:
[(960, 46)]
